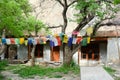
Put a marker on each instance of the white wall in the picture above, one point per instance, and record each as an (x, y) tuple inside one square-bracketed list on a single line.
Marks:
[(112, 50), (46, 53), (22, 52)]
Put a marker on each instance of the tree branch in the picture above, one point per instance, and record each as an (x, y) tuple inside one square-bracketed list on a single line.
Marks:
[(50, 27), (60, 2), (76, 48), (72, 3)]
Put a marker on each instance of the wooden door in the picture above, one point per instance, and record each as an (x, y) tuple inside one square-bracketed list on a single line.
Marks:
[(55, 56), (90, 52)]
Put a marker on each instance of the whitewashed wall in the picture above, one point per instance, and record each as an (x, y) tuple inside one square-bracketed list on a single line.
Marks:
[(22, 52), (46, 53), (112, 50)]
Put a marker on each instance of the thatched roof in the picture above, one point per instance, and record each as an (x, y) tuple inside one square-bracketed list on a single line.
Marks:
[(110, 27)]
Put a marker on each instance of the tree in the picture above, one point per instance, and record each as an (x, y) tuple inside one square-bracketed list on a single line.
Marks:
[(11, 18), (88, 10), (15, 18)]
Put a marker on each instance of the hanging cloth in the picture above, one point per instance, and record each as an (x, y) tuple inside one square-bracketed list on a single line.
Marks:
[(58, 40), (79, 39), (8, 42), (51, 43), (55, 41), (30, 41), (3, 40), (12, 40), (22, 40), (17, 41), (0, 41), (61, 36), (26, 42), (88, 40), (74, 41), (84, 42), (89, 31), (70, 41), (34, 42), (65, 39)]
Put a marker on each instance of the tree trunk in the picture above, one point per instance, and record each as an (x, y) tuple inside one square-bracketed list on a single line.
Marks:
[(33, 56), (67, 56), (3, 46)]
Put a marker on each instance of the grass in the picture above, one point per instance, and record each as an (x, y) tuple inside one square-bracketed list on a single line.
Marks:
[(28, 71), (117, 79), (3, 64), (110, 70)]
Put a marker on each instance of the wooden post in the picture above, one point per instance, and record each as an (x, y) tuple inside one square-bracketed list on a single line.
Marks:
[(92, 56)]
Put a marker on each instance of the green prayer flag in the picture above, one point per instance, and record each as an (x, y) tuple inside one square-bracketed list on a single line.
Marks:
[(84, 42), (17, 41)]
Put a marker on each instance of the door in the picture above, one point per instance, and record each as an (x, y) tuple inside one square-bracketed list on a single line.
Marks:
[(90, 52), (39, 51), (55, 56)]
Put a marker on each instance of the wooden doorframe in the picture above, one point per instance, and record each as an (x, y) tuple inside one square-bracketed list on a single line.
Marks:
[(55, 50), (90, 56)]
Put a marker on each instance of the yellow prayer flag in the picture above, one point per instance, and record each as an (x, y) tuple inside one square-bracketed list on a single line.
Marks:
[(89, 30), (22, 40), (88, 40), (0, 40), (26, 42), (65, 39)]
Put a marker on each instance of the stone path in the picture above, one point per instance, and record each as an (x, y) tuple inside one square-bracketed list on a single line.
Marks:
[(94, 73)]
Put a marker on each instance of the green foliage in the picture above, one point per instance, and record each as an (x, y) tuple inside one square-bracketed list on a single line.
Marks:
[(11, 16), (116, 1), (15, 18), (3, 64), (27, 71), (110, 70), (117, 78), (1, 77), (94, 8)]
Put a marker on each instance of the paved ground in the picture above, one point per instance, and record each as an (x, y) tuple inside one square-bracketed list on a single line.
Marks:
[(94, 73)]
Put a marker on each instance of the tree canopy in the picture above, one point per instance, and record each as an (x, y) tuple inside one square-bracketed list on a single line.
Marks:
[(15, 17)]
